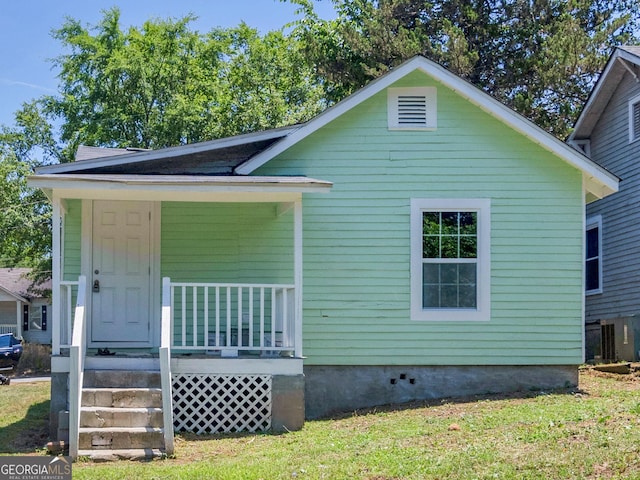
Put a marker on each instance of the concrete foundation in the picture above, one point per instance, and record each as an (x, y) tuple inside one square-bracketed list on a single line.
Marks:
[(325, 390), (59, 395), (287, 402), (333, 389)]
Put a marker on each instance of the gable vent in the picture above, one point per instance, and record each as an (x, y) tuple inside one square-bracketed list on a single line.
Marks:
[(412, 108)]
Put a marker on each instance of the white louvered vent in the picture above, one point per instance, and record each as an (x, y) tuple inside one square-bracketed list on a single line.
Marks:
[(412, 108)]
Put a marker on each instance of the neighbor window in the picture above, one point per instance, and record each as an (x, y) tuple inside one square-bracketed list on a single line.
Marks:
[(634, 119), (34, 317), (35, 320), (593, 256), (450, 268)]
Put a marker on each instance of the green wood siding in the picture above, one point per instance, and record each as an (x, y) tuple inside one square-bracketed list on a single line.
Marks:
[(356, 238), (72, 240), (226, 242)]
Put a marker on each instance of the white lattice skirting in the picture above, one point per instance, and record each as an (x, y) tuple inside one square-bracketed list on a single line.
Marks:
[(221, 403)]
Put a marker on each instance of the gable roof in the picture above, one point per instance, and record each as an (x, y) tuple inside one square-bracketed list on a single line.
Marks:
[(243, 154), (598, 181), (623, 60), (15, 283)]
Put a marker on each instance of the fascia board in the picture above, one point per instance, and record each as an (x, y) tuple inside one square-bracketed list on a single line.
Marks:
[(464, 89), (525, 127), (164, 153), (87, 183)]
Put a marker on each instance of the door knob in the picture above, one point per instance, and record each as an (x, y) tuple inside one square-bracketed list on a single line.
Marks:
[(96, 286)]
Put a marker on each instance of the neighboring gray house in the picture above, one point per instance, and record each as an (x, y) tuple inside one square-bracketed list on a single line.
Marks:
[(608, 131), (24, 306)]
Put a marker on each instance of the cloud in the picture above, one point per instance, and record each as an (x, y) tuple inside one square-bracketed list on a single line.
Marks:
[(7, 81)]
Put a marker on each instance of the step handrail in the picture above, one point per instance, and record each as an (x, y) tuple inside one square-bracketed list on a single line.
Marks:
[(77, 353), (165, 367)]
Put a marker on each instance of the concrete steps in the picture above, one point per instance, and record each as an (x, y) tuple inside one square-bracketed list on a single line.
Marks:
[(121, 415), (120, 438), (126, 454), (121, 397), (101, 417)]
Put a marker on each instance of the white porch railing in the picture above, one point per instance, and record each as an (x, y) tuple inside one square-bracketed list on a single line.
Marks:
[(77, 352), (67, 291), (234, 318), (8, 329), (165, 368)]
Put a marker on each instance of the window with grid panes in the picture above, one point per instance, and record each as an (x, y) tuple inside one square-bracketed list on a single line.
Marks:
[(450, 259)]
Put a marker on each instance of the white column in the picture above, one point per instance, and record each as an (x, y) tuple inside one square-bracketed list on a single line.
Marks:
[(56, 221), (297, 265), (18, 319)]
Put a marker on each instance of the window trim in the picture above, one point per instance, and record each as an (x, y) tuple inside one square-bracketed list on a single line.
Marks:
[(430, 94), (633, 102), (590, 224), (482, 312)]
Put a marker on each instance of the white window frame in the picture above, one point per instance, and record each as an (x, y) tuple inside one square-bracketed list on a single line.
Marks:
[(430, 94), (482, 312), (634, 101), (591, 223)]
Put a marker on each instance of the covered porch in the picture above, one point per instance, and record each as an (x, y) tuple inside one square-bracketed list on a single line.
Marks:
[(215, 305)]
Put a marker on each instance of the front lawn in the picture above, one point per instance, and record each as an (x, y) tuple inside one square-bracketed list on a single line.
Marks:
[(593, 432)]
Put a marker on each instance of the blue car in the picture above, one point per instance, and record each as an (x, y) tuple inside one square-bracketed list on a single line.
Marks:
[(10, 351)]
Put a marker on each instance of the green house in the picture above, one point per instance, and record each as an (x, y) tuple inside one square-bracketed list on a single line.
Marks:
[(417, 240)]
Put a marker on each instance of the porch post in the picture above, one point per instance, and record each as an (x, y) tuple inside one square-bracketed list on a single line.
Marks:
[(297, 265), (55, 276), (18, 319)]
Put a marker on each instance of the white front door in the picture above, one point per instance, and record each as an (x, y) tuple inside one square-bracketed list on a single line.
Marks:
[(120, 273)]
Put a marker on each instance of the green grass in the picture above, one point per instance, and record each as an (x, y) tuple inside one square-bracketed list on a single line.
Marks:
[(24, 417), (590, 433)]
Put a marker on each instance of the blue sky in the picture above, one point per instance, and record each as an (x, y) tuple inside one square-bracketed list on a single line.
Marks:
[(26, 25)]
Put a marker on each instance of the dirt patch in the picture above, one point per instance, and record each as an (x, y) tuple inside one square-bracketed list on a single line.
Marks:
[(628, 381)]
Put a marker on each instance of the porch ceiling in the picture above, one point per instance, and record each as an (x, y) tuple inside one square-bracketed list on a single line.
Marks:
[(177, 187)]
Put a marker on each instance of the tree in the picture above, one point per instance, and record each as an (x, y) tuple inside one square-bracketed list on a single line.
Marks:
[(151, 87), (164, 84), (540, 57), (25, 221)]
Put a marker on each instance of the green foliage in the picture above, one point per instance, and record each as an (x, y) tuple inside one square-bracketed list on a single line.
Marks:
[(541, 58), (160, 85), (25, 219), (164, 84)]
